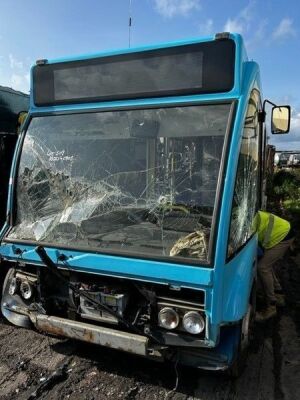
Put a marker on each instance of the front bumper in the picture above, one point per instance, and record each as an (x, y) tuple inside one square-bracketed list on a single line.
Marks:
[(216, 358), (210, 359), (119, 340)]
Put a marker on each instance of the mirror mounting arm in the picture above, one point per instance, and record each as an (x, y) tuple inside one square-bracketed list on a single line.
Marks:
[(270, 102), (262, 113)]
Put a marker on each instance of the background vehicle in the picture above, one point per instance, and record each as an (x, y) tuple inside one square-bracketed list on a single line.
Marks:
[(11, 104), (283, 160), (135, 186), (294, 160)]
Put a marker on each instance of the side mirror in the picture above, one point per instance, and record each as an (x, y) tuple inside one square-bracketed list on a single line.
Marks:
[(281, 118)]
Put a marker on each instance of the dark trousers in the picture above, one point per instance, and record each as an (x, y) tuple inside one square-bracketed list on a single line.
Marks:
[(265, 269)]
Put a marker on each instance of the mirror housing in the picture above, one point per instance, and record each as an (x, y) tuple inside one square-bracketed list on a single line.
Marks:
[(281, 119)]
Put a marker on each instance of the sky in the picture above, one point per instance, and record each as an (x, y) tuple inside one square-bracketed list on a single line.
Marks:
[(38, 29)]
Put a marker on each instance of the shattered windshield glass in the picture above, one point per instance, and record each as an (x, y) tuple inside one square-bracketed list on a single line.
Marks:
[(140, 182), (245, 199)]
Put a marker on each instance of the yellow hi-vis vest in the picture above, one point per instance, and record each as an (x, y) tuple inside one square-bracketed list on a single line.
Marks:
[(271, 229)]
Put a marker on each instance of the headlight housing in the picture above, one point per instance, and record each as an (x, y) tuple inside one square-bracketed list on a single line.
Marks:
[(168, 318), (193, 322)]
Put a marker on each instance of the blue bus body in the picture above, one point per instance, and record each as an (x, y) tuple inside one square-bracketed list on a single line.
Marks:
[(227, 283)]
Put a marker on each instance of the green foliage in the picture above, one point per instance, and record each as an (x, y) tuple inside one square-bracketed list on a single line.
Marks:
[(284, 196), (286, 186)]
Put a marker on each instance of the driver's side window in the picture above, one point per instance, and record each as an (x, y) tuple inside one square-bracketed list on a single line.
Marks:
[(245, 199)]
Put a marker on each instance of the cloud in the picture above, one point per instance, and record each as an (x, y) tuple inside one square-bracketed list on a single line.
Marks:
[(17, 73), (291, 141), (14, 63), (284, 30), (206, 28), (285, 142), (234, 25), (20, 82), (259, 36), (295, 123), (240, 23), (172, 8)]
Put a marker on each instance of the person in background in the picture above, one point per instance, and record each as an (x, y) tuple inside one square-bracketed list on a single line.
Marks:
[(275, 237)]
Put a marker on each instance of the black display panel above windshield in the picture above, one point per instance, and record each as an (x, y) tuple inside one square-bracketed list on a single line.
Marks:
[(187, 69), (136, 182)]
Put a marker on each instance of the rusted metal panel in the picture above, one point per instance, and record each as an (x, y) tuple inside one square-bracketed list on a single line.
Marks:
[(107, 337)]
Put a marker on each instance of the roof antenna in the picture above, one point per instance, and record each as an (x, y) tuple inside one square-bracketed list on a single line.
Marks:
[(129, 24)]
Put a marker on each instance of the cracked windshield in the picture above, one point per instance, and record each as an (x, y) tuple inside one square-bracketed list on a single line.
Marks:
[(138, 182)]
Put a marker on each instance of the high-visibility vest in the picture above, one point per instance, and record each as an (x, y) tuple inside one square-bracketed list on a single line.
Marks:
[(271, 229)]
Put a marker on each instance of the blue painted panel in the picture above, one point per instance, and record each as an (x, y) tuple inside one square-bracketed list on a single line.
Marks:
[(237, 282), (159, 102), (141, 269), (228, 344), (223, 355)]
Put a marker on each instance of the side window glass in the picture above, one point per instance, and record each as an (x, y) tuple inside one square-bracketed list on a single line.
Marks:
[(245, 197)]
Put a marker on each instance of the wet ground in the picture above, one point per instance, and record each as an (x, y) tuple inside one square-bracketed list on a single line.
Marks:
[(35, 366)]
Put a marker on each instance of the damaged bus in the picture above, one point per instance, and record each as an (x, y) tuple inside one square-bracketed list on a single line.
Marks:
[(134, 187)]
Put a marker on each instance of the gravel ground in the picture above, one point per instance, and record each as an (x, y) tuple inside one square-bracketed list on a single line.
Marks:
[(35, 366)]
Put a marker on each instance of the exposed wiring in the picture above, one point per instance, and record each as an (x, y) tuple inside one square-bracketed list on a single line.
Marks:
[(176, 381)]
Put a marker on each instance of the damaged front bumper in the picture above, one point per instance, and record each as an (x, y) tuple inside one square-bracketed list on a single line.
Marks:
[(103, 336), (119, 340), (217, 358)]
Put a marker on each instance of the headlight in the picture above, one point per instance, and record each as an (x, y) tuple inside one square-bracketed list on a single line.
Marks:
[(168, 318), (26, 290), (193, 322)]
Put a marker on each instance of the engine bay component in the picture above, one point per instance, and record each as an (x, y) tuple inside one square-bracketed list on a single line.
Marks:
[(193, 322), (107, 296), (168, 318)]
